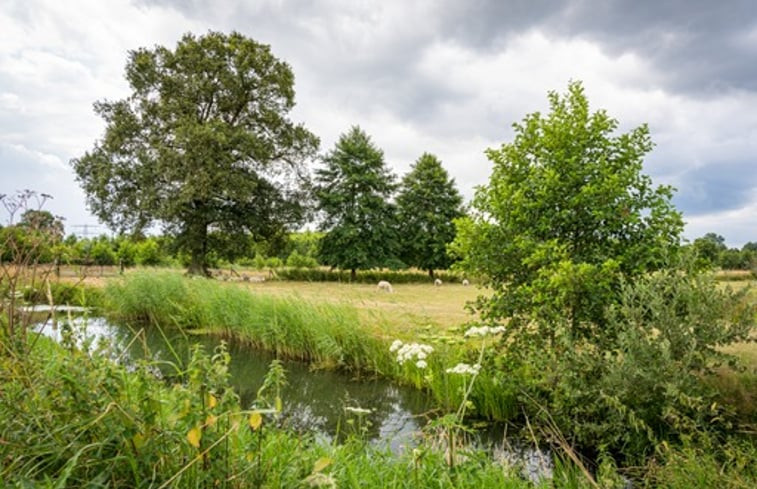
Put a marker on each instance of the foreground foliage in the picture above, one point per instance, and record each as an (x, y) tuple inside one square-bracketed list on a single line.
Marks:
[(74, 419), (610, 330)]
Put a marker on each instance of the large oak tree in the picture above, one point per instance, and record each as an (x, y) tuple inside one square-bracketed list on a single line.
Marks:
[(202, 144)]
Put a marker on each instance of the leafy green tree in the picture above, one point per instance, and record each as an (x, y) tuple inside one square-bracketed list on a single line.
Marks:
[(428, 203), (102, 253), (709, 248), (202, 144), (734, 259), (750, 246), (126, 251), (147, 253), (44, 222), (566, 214), (353, 192)]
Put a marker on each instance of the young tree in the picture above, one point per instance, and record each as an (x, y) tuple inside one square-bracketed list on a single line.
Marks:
[(203, 143), (428, 203), (709, 248), (567, 214), (353, 191), (44, 222)]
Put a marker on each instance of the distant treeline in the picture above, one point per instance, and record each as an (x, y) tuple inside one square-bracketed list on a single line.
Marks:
[(712, 252), (40, 235)]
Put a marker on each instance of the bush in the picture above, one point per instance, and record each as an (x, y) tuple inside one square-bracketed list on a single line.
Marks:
[(148, 253), (65, 294), (638, 381), (296, 260), (273, 262)]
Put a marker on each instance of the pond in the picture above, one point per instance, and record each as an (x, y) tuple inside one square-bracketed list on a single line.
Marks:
[(314, 400)]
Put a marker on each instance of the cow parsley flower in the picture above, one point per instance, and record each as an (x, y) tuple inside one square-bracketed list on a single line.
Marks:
[(465, 369), (407, 352), (484, 331)]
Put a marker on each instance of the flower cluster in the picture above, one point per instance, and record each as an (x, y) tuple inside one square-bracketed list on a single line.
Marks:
[(357, 410), (484, 331), (465, 369), (411, 351)]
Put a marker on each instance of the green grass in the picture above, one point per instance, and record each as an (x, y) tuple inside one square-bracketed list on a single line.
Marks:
[(71, 419)]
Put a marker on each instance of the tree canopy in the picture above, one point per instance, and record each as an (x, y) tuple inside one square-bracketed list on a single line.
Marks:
[(202, 143), (428, 203), (566, 213), (353, 191)]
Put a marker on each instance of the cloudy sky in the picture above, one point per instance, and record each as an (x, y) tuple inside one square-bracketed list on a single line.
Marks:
[(447, 77)]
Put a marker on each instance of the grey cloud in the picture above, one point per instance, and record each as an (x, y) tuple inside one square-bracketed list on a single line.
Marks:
[(719, 186)]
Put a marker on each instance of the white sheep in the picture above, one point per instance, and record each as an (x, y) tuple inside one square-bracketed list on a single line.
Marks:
[(465, 282), (437, 283), (385, 286)]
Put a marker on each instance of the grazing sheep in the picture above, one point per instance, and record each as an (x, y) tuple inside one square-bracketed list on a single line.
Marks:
[(465, 282), (437, 283), (385, 286)]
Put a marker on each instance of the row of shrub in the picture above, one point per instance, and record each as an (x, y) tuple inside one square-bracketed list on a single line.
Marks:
[(366, 276), (64, 293)]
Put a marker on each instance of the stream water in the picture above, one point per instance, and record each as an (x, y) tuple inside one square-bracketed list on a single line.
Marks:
[(314, 400)]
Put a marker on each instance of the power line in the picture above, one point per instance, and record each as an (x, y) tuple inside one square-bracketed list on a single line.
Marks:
[(85, 229)]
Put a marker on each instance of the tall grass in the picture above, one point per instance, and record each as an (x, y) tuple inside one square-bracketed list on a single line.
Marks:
[(327, 334)]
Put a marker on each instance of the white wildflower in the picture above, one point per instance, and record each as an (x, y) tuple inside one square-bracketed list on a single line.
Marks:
[(396, 344), (464, 369), (357, 410), (421, 364), (413, 351), (484, 331)]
